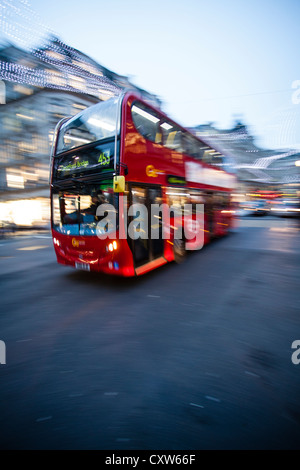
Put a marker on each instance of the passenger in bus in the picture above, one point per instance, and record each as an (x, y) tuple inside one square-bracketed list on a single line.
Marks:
[(98, 198)]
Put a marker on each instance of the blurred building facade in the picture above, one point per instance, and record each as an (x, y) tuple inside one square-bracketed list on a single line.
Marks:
[(37, 89), (256, 168)]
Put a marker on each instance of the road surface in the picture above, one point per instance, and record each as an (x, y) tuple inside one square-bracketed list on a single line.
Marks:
[(192, 356)]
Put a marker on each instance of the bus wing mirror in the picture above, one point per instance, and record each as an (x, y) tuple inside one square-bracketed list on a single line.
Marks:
[(119, 184)]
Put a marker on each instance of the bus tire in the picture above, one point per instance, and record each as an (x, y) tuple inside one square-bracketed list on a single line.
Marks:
[(179, 250)]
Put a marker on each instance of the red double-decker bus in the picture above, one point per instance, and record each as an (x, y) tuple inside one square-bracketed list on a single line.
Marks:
[(125, 153)]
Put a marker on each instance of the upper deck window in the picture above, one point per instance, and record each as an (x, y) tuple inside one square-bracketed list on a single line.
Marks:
[(161, 130), (146, 122), (93, 124), (172, 136), (213, 157)]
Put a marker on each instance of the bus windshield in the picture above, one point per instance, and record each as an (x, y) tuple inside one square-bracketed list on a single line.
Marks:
[(75, 209), (93, 124)]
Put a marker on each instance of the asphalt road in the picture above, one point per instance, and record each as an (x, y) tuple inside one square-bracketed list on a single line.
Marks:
[(191, 356)]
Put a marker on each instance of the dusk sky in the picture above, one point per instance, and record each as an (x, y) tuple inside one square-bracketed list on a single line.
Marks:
[(212, 61)]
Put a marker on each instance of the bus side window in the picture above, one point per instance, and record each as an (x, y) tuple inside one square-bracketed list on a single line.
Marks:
[(172, 137), (190, 145), (207, 156), (146, 122), (201, 151)]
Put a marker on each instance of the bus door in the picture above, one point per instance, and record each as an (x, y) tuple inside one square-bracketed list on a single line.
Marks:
[(143, 223), (155, 223), (209, 212)]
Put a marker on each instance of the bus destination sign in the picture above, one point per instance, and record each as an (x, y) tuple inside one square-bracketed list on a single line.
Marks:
[(101, 158)]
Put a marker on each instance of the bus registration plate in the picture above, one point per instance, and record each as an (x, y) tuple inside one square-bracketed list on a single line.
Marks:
[(83, 266)]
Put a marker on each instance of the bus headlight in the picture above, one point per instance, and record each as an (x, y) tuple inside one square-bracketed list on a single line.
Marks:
[(112, 246)]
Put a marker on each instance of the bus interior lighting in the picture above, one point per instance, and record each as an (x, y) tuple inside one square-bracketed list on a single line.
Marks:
[(101, 124), (166, 126), (146, 115), (77, 139)]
